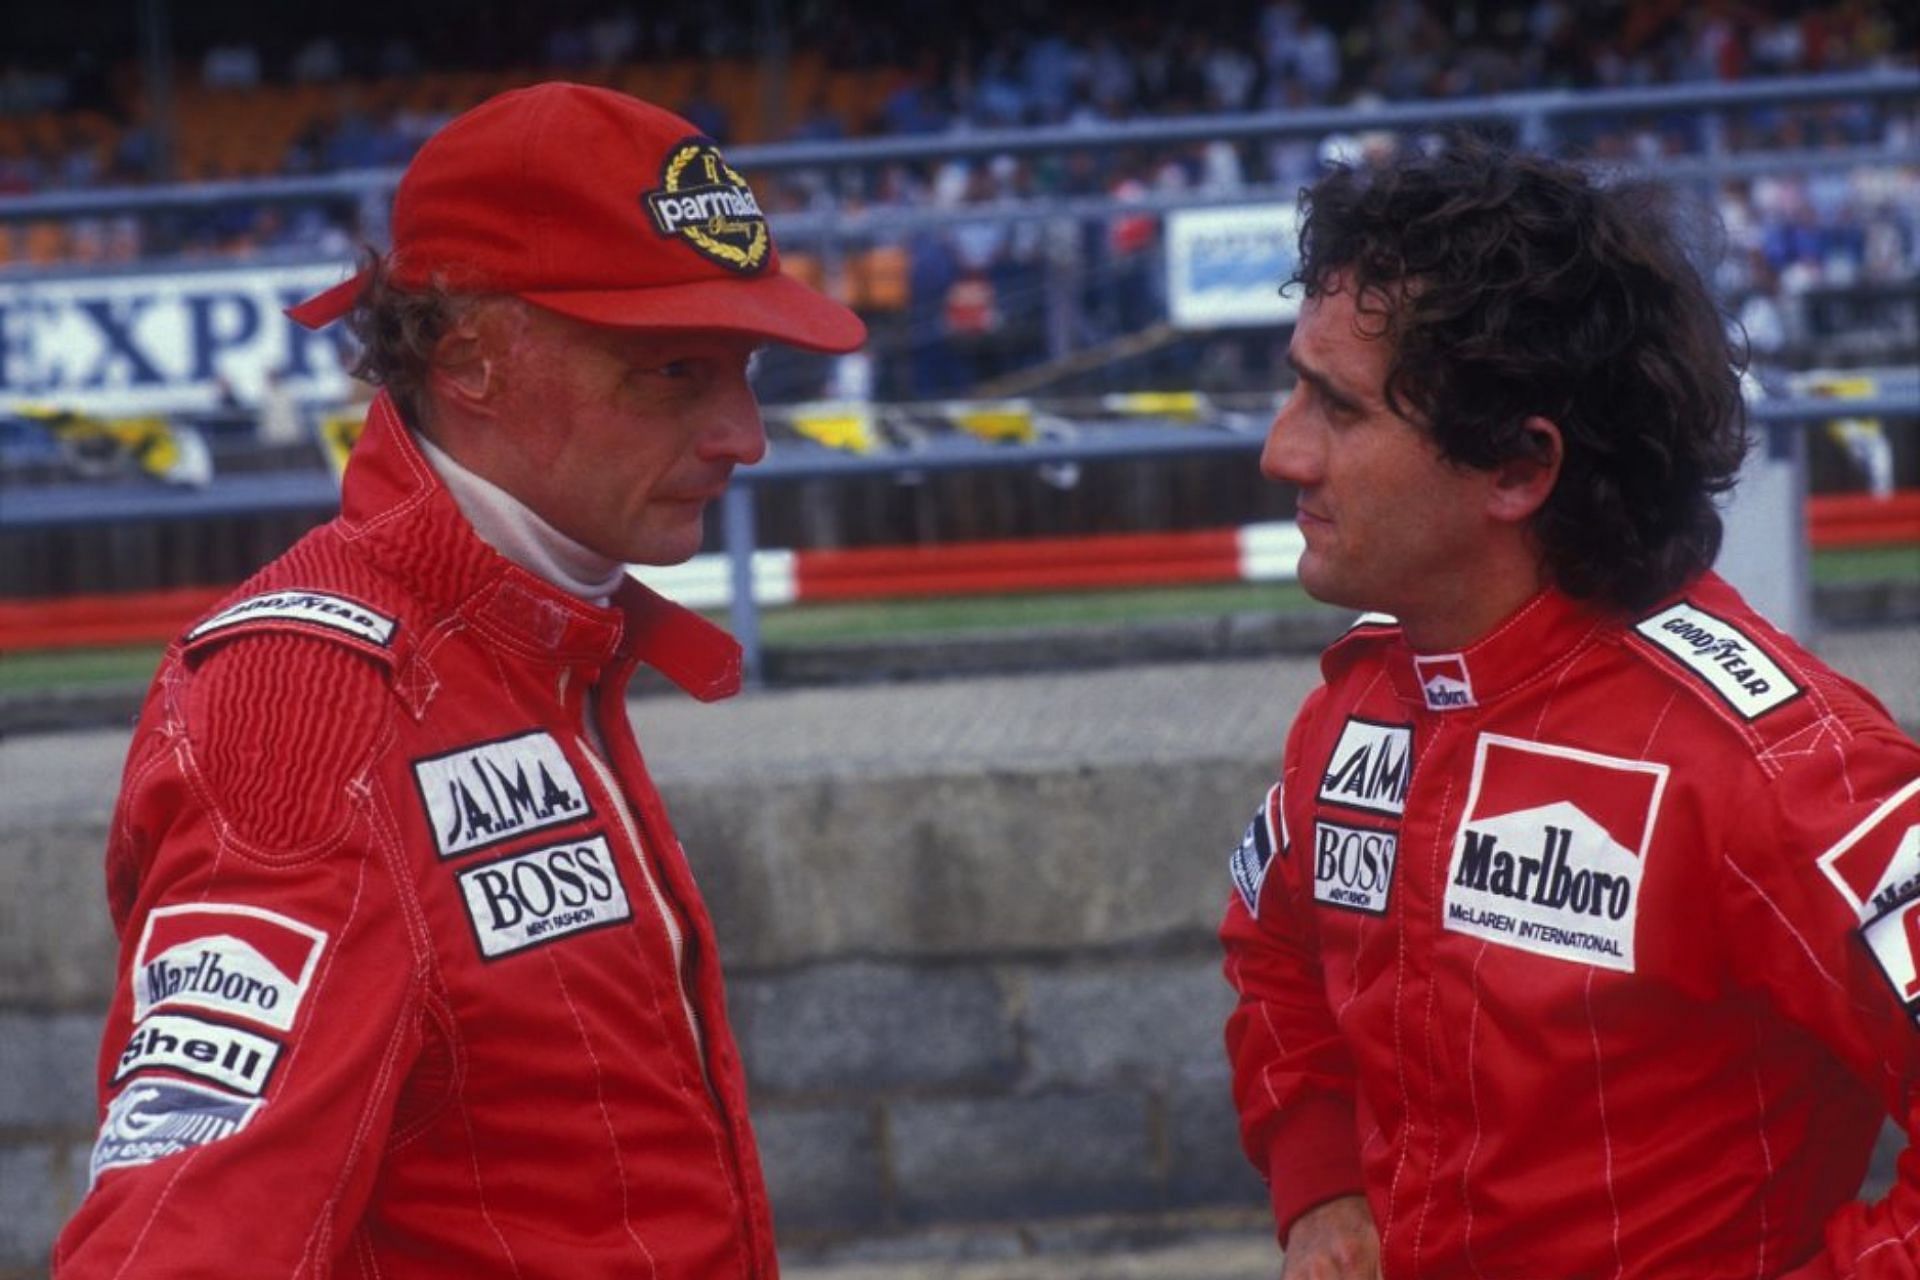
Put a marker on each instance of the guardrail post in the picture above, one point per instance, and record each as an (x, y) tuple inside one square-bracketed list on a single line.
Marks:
[(1764, 551), (736, 516)]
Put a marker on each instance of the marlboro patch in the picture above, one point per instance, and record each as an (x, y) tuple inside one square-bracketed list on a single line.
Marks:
[(1551, 851)]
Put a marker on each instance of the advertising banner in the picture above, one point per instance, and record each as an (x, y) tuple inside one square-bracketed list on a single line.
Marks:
[(1225, 266), (140, 344)]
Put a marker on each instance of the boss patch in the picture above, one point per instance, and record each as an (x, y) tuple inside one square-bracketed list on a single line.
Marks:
[(1723, 656), (1370, 768), (495, 791), (154, 1119), (542, 896), (1876, 866), (242, 961), (1353, 866), (1247, 864), (314, 608), (704, 203), (1551, 849)]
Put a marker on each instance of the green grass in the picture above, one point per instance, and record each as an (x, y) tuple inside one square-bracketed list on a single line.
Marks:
[(53, 668), (827, 623), (878, 619), (1867, 564)]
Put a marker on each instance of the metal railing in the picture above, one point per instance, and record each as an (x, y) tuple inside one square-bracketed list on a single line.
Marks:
[(1537, 116), (82, 504)]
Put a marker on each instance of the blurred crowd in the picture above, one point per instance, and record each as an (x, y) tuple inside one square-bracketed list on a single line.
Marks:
[(967, 296)]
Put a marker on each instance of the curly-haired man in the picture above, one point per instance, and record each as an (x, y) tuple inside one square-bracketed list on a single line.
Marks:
[(1580, 934)]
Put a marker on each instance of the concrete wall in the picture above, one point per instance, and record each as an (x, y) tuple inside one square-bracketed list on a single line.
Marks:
[(967, 994), (968, 926)]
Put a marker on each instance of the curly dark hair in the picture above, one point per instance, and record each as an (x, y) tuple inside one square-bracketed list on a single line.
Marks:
[(1513, 285), (398, 330)]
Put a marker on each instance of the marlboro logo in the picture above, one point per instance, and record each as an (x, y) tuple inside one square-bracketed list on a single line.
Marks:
[(1876, 866), (1444, 682), (1550, 853), (226, 959)]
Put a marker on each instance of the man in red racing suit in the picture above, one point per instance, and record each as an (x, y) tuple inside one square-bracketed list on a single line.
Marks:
[(415, 980), (1581, 936), (1587, 950)]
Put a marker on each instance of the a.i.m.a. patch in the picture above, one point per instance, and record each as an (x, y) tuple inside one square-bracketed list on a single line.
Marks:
[(706, 203)]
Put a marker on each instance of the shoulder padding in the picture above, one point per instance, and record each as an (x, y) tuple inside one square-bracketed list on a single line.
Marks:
[(1752, 677), (280, 724)]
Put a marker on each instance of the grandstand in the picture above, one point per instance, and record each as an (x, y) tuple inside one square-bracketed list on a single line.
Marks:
[(1012, 194)]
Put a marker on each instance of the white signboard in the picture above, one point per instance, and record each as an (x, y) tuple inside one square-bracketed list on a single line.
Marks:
[(139, 344), (1225, 266)]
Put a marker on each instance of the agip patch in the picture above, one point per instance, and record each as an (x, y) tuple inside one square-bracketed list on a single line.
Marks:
[(704, 203)]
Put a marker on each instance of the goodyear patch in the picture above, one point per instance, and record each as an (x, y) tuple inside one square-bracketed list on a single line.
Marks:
[(312, 608), (1722, 656)]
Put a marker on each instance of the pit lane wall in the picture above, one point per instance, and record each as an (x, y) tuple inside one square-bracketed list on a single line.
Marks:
[(965, 995)]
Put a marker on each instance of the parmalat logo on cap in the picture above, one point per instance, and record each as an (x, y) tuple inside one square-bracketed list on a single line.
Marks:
[(703, 201)]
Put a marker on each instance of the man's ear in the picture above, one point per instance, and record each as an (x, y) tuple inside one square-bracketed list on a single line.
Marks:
[(465, 372), (1523, 482)]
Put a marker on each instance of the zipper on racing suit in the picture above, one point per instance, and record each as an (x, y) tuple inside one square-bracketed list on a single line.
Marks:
[(669, 919)]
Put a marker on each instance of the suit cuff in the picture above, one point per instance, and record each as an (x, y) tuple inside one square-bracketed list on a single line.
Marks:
[(1313, 1157)]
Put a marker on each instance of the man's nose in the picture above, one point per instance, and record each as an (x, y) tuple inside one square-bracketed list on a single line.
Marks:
[(736, 434), (1287, 456)]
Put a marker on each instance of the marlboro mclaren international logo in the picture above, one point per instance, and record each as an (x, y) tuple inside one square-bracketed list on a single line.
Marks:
[(704, 202), (1445, 682), (227, 959), (1876, 866), (1550, 853)]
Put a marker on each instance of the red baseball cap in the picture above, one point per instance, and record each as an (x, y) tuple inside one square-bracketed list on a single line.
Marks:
[(601, 207)]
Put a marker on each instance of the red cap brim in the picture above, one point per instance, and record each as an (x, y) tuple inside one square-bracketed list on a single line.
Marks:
[(776, 307), (329, 305)]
